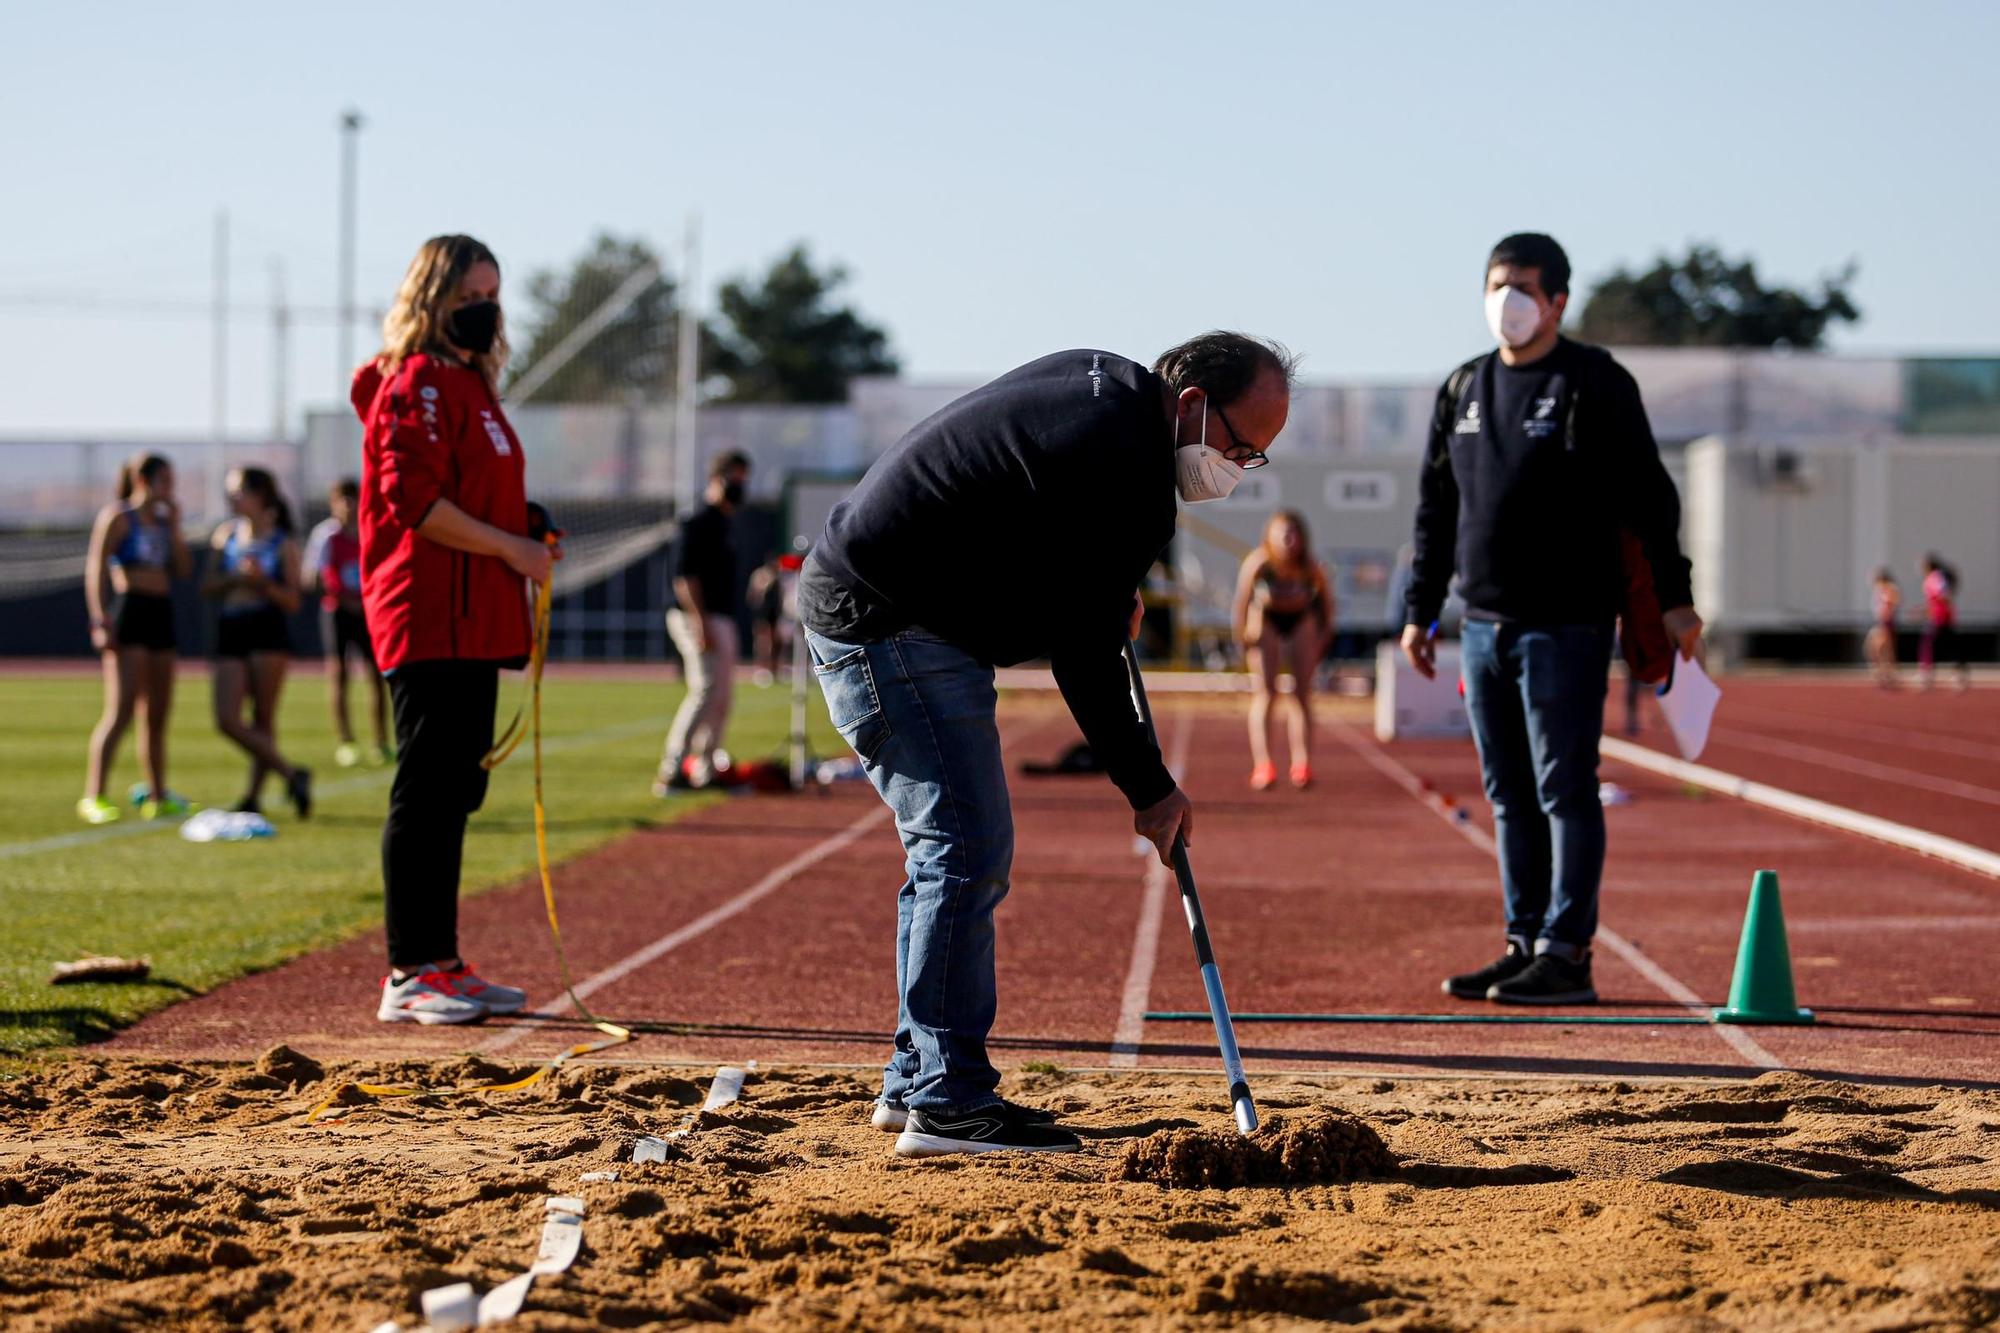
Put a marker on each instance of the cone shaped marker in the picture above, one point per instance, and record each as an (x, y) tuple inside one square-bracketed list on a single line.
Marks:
[(1761, 991)]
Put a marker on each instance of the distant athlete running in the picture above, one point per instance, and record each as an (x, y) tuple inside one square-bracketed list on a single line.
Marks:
[(1941, 639), (253, 572), (1283, 617), (1881, 642), (343, 628), (136, 547)]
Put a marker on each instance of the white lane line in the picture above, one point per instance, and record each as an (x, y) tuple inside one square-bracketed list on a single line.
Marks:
[(707, 921), (360, 782), (1894, 736), (1738, 1040), (1964, 855), (1833, 759), (1146, 936)]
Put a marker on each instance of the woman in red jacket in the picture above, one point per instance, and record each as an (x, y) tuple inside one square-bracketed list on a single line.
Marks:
[(446, 565)]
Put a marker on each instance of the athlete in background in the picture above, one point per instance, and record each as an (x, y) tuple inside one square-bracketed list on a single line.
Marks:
[(1283, 617), (136, 548), (1887, 599), (343, 628), (1941, 639), (253, 572)]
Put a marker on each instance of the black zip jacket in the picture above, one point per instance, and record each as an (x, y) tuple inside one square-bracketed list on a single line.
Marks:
[(1530, 476), (1017, 523)]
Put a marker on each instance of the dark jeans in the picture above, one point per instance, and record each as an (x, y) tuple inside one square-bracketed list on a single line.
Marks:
[(1535, 694), (444, 727), (920, 714)]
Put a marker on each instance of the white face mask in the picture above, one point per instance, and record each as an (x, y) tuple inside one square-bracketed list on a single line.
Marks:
[(1513, 316), (1201, 473)]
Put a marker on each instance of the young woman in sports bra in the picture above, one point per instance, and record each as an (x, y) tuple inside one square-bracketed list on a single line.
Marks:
[(136, 551), (1284, 619), (1880, 644), (253, 572)]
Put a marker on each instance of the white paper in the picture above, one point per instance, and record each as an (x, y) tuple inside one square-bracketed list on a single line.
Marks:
[(1688, 703)]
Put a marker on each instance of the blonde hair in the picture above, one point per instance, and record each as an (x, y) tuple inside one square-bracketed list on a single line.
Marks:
[(415, 323)]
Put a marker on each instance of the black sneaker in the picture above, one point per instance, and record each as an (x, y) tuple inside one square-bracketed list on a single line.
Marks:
[(1476, 985), (679, 782), (891, 1117), (1550, 979), (1002, 1128), (249, 805), (300, 789)]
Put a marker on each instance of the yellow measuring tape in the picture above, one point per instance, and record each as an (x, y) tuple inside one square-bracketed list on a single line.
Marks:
[(509, 741)]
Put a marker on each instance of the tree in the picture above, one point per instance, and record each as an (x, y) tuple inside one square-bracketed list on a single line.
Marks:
[(633, 354), (784, 342), (1705, 300)]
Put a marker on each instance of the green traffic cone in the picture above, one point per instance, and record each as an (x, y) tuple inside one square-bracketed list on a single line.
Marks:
[(1761, 991)]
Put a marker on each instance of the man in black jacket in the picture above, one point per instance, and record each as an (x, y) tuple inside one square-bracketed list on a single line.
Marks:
[(1540, 458), (1015, 523)]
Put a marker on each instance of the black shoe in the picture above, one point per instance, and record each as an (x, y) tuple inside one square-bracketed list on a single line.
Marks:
[(300, 788), (249, 805), (677, 783), (1001, 1128), (892, 1117), (1475, 985), (1550, 979)]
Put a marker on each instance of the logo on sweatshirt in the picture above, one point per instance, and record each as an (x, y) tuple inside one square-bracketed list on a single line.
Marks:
[(496, 433), (1097, 375), (1541, 422), (1469, 423)]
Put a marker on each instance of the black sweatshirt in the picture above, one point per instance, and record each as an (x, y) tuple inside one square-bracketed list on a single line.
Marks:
[(1526, 503), (707, 559), (1018, 522)]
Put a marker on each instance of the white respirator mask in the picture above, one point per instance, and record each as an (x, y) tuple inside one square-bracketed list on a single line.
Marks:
[(1513, 316), (1201, 473)]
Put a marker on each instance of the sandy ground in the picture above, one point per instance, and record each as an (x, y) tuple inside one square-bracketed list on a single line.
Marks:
[(190, 1195)]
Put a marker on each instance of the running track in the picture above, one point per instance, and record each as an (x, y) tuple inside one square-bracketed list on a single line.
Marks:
[(762, 928)]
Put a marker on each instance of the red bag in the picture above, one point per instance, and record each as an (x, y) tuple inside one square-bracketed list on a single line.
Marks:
[(1642, 629)]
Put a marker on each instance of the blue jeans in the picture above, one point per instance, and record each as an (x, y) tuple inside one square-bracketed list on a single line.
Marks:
[(1535, 695), (920, 714)]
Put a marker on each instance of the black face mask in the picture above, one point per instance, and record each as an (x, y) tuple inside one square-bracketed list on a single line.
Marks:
[(732, 492), (473, 327)]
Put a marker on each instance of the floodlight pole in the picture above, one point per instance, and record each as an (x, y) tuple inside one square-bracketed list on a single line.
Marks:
[(219, 350), (687, 484), (350, 137)]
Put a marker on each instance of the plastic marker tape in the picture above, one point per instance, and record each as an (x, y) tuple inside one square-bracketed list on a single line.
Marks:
[(598, 1175), (452, 1308), (649, 1149), (562, 1239), (728, 1086)]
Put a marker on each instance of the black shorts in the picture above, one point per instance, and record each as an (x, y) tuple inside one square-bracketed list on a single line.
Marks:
[(247, 632), (1285, 623), (343, 632), (143, 620)]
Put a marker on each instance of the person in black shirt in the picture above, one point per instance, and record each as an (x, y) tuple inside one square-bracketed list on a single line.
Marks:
[(703, 627), (1540, 459), (1015, 523)]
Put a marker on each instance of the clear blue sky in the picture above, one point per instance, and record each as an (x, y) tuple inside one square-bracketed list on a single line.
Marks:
[(1002, 179)]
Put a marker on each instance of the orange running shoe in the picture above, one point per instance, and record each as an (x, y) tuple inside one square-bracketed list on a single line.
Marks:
[(1264, 776), (1302, 776)]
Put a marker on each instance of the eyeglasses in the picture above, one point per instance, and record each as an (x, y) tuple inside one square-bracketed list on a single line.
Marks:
[(1238, 452)]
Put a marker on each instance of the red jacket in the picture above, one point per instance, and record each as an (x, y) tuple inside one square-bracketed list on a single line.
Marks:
[(434, 431)]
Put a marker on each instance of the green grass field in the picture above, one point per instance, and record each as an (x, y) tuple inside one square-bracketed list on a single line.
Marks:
[(207, 913)]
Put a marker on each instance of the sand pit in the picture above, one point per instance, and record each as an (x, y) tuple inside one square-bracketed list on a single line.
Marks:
[(193, 1196)]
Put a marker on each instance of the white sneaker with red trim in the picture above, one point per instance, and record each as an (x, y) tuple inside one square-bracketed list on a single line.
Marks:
[(493, 999), (428, 998)]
